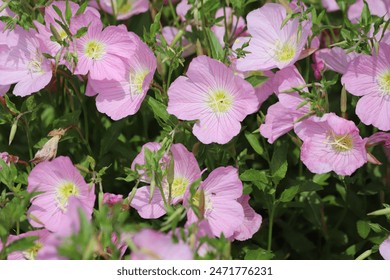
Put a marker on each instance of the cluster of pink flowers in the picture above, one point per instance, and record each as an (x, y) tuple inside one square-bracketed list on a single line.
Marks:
[(119, 69), (226, 210), (119, 66)]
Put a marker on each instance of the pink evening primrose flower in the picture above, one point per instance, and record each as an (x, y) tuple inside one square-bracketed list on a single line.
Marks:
[(51, 17), (103, 53), (331, 143), (154, 245), (221, 209), (336, 59), (281, 116), (123, 96), (236, 25), (125, 10), (252, 221), (330, 5), (30, 253), (24, 63), (185, 171), (384, 249), (214, 96), (111, 199), (271, 45), (57, 181), (369, 77)]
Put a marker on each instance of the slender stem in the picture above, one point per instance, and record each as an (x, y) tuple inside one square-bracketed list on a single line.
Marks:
[(270, 226), (176, 21)]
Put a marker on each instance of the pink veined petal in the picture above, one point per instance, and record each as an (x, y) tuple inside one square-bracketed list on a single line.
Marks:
[(288, 78), (226, 216), (153, 210), (359, 78), (189, 106), (219, 129), (252, 221), (223, 182), (32, 84), (118, 105), (336, 59), (185, 164), (374, 109)]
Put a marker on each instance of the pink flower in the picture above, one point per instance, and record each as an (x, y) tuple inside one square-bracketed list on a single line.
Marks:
[(369, 76), (336, 59), (61, 186), (236, 24), (31, 253), (154, 245), (252, 221), (112, 199), (185, 172), (103, 53), (281, 116), (123, 97), (384, 249), (24, 63), (330, 5), (51, 17), (271, 45), (331, 143), (212, 94), (221, 210), (126, 10)]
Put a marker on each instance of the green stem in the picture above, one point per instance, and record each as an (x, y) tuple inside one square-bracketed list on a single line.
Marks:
[(270, 226)]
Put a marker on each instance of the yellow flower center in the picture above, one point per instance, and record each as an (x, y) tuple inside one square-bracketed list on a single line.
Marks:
[(178, 187), (64, 191), (125, 7), (94, 49), (137, 80), (384, 83), (31, 253), (284, 52), (341, 143), (220, 101)]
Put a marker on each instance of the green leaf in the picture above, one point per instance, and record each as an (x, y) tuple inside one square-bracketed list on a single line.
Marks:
[(289, 194), (363, 228), (22, 244), (82, 8), (255, 144), (279, 163), (68, 12), (259, 254), (81, 32), (216, 48)]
